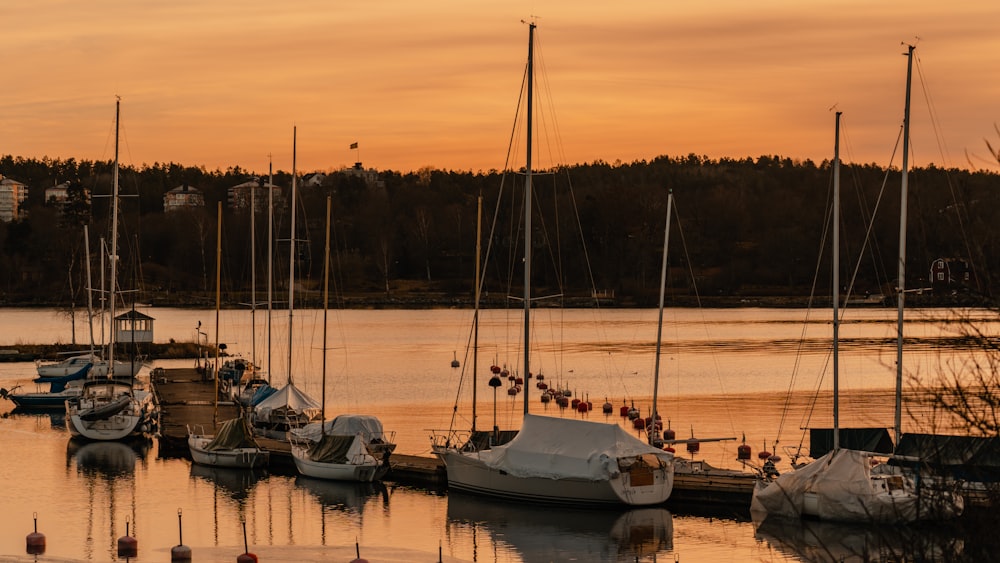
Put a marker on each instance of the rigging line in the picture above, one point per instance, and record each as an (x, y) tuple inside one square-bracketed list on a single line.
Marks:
[(942, 149), (694, 286)]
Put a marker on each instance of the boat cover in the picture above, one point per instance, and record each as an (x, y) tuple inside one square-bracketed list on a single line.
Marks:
[(343, 425), (563, 448), (233, 434), (261, 393), (288, 399), (844, 491), (338, 449)]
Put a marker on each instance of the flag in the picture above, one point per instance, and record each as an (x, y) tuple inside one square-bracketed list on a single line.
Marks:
[(354, 145)]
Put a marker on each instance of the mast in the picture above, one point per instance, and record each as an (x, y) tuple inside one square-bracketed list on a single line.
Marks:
[(901, 291), (114, 247), (836, 285), (326, 301), (90, 291), (651, 431), (475, 315), (527, 221), (291, 260), (218, 305), (270, 259), (253, 276)]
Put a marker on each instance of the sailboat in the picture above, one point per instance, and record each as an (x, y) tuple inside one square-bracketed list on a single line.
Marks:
[(233, 444), (111, 407), (350, 447), (288, 407), (565, 461), (841, 485)]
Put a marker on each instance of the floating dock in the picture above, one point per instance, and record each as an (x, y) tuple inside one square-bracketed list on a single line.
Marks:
[(187, 399)]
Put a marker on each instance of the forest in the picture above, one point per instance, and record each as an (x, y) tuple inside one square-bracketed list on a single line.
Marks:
[(743, 230)]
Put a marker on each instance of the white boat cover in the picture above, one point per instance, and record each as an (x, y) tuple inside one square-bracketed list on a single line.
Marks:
[(342, 425), (289, 399), (844, 491), (563, 448)]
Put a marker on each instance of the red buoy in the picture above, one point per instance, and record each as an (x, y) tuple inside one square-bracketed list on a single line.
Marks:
[(639, 423), (608, 408), (357, 550), (542, 385), (693, 446), (562, 401), (669, 433), (743, 452), (512, 391), (623, 411), (670, 449), (764, 454), (546, 397), (582, 407), (127, 545), (35, 542), (180, 552), (519, 380), (540, 377), (247, 558), (495, 369)]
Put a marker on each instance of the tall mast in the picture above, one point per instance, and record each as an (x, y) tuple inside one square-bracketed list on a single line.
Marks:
[(475, 315), (253, 276), (291, 259), (270, 259), (90, 291), (114, 246), (651, 431), (218, 304), (836, 285), (901, 291), (326, 301), (527, 221)]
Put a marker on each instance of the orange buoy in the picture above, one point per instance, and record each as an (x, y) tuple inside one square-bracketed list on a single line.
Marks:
[(127, 545), (35, 542)]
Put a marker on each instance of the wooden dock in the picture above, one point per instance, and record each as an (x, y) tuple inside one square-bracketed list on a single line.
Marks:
[(188, 400)]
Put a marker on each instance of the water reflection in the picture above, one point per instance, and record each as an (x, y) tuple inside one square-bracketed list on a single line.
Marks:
[(235, 483), (566, 534), (816, 541), (343, 495), (56, 418), (109, 460)]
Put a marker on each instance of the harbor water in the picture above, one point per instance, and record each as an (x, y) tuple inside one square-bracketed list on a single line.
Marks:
[(733, 373)]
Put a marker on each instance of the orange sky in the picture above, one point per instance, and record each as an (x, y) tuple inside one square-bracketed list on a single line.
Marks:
[(435, 82)]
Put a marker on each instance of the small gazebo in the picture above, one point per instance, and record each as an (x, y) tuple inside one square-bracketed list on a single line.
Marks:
[(133, 327)]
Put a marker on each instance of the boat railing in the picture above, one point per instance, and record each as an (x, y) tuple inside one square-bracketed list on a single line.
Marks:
[(450, 439)]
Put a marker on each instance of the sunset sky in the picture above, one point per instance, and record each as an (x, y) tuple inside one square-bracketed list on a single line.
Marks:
[(221, 83)]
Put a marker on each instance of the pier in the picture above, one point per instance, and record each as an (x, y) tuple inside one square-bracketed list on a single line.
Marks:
[(187, 399)]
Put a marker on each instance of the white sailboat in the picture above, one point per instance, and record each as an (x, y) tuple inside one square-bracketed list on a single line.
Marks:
[(840, 485), (110, 407), (233, 444), (556, 460), (350, 447), (288, 407)]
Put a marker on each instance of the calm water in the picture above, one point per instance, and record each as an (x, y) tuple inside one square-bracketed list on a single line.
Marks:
[(724, 373)]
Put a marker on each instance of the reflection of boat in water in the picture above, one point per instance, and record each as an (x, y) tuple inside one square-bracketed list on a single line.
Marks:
[(111, 459), (556, 533), (345, 495), (56, 418), (821, 541), (237, 483)]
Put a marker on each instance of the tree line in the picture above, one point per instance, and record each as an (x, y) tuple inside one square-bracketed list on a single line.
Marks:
[(743, 228)]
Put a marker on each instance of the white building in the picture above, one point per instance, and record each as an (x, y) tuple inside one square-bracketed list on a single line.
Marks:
[(241, 194), (183, 197), (12, 195)]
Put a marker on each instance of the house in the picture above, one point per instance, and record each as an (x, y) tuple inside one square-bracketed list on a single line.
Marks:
[(57, 194), (948, 274), (240, 195), (133, 327), (12, 196), (370, 176), (183, 197)]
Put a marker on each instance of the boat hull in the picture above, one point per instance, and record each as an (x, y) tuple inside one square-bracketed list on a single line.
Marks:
[(237, 458), (116, 427), (467, 472), (54, 401), (366, 472)]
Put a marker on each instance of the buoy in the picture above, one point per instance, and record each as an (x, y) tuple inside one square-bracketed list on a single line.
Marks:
[(127, 545), (562, 401), (575, 403), (540, 377), (670, 449), (454, 361), (495, 369), (743, 452), (357, 551), (512, 391), (669, 433), (246, 557), (35, 542), (623, 411), (639, 423), (546, 397), (180, 552), (495, 382), (608, 408), (582, 407), (542, 385), (519, 381), (693, 446)]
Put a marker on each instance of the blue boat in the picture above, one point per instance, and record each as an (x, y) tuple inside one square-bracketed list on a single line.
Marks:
[(61, 388)]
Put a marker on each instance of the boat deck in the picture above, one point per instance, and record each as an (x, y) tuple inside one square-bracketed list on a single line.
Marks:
[(187, 399)]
